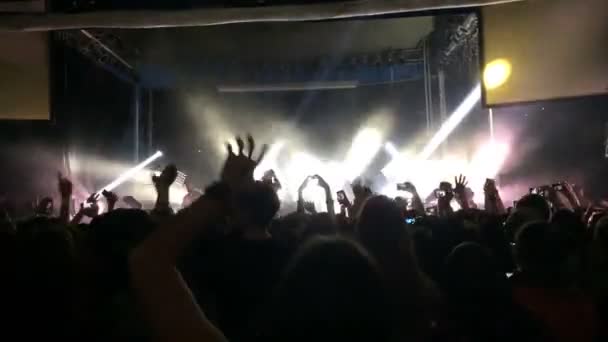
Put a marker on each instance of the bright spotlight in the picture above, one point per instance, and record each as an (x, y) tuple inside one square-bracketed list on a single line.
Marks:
[(300, 166), (487, 162), (448, 126), (131, 172), (496, 73), (391, 149), (363, 149), (313, 192)]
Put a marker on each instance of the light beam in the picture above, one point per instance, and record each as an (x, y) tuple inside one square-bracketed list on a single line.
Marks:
[(131, 172), (450, 124), (364, 148)]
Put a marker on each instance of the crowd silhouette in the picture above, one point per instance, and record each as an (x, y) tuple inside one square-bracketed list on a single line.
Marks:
[(225, 267)]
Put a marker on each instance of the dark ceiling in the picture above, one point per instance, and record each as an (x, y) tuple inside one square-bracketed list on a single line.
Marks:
[(270, 42), (97, 5)]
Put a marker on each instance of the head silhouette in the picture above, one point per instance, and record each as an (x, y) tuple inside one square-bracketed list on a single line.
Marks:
[(332, 291)]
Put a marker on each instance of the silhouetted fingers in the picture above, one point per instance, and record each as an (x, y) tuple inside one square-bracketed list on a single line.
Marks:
[(241, 144), (250, 145), (229, 148)]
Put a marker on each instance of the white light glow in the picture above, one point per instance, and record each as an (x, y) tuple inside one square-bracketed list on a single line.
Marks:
[(362, 151), (270, 161), (315, 194), (487, 162), (131, 172), (144, 176), (424, 174), (101, 207), (496, 73), (300, 166), (391, 191), (146, 194), (398, 165), (450, 124), (391, 149), (177, 194)]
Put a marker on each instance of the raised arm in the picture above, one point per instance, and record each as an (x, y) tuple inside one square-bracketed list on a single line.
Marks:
[(460, 190), (166, 299), (65, 191), (444, 207), (91, 210), (417, 204), (111, 198), (164, 296), (162, 184), (493, 202), (328, 196), (300, 203)]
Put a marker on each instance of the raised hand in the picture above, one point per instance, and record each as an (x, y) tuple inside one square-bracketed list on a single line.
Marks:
[(238, 167), (322, 183), (166, 178), (460, 184), (90, 211), (271, 179), (64, 185), (269, 176), (409, 187), (449, 192), (162, 184), (111, 198), (65, 190), (93, 198), (460, 189), (443, 202), (490, 187), (493, 202), (303, 185), (45, 206), (417, 204), (328, 199)]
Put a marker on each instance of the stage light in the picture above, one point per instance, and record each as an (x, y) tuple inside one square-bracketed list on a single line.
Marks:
[(489, 158), (300, 166), (391, 149), (398, 165), (487, 162), (496, 73), (363, 149), (450, 124), (131, 172)]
